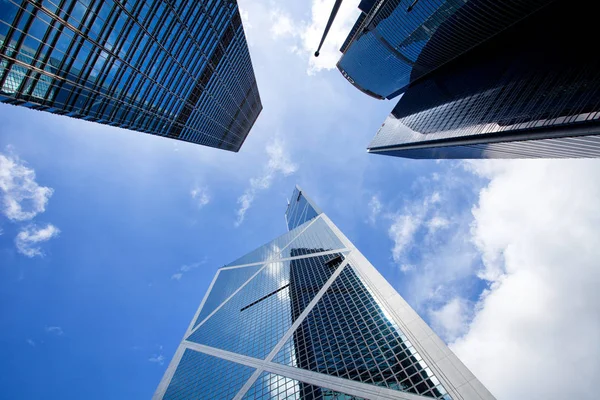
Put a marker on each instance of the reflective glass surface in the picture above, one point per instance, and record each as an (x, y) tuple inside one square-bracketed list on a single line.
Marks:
[(271, 250), (228, 281), (177, 69), (398, 41), (316, 238), (300, 209), (272, 386), (255, 318), (516, 96), (349, 334), (200, 376), (342, 330)]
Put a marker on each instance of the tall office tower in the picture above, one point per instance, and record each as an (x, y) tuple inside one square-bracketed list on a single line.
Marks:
[(178, 69), (479, 78), (306, 316)]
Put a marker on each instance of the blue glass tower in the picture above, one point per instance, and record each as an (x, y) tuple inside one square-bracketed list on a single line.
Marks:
[(479, 78), (395, 42), (176, 69), (306, 316)]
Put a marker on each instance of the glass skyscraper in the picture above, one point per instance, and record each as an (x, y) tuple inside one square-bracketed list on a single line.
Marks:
[(178, 69), (479, 78), (306, 316)]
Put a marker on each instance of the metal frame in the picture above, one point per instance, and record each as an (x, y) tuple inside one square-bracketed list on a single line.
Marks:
[(179, 71), (455, 377)]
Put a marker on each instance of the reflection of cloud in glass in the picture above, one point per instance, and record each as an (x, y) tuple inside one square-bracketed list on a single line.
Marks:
[(288, 390), (279, 280)]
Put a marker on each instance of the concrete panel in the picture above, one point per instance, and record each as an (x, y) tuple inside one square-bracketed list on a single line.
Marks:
[(461, 367), (453, 375)]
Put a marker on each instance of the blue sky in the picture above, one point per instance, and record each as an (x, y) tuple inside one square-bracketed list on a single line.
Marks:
[(110, 238)]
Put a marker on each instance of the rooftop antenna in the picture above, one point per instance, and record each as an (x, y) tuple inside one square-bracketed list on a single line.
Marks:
[(336, 7)]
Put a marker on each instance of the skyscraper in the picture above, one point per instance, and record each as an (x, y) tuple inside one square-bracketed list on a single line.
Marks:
[(306, 316), (176, 69), (478, 78)]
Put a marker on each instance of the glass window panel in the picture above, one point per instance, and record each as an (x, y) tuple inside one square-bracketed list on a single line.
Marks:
[(200, 376), (228, 281), (348, 334), (272, 386), (256, 317)]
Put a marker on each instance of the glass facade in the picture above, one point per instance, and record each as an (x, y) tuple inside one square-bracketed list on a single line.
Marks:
[(187, 383), (177, 69), (307, 323), (271, 386), (519, 95), (395, 42), (349, 334), (255, 319), (300, 209)]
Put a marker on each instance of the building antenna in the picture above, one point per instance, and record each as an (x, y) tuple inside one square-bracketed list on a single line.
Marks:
[(336, 7)]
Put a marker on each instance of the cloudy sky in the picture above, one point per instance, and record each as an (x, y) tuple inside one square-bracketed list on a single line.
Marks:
[(109, 238)]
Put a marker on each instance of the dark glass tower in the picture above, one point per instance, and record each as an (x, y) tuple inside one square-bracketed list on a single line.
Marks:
[(479, 78), (395, 42), (306, 316), (177, 69)]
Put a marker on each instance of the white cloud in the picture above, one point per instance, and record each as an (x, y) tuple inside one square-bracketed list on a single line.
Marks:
[(279, 163), (431, 240), (27, 240), (159, 359), (407, 267), (245, 19), (187, 268), (283, 25), (307, 35), (31, 342), (375, 208), (537, 227), (200, 196), (244, 201), (402, 232), (21, 197), (330, 53), (436, 223), (279, 159), (450, 320), (55, 330), (406, 225), (177, 276)]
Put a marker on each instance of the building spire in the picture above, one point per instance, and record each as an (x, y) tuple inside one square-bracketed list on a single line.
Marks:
[(334, 11)]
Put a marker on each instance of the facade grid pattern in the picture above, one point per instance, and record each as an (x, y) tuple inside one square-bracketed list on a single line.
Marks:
[(316, 325), (272, 250), (347, 334), (516, 96), (254, 320), (401, 41), (226, 284), (176, 69), (272, 386), (188, 384), (300, 209)]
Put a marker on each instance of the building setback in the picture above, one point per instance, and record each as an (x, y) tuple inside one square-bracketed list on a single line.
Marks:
[(178, 69), (479, 78), (306, 316)]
